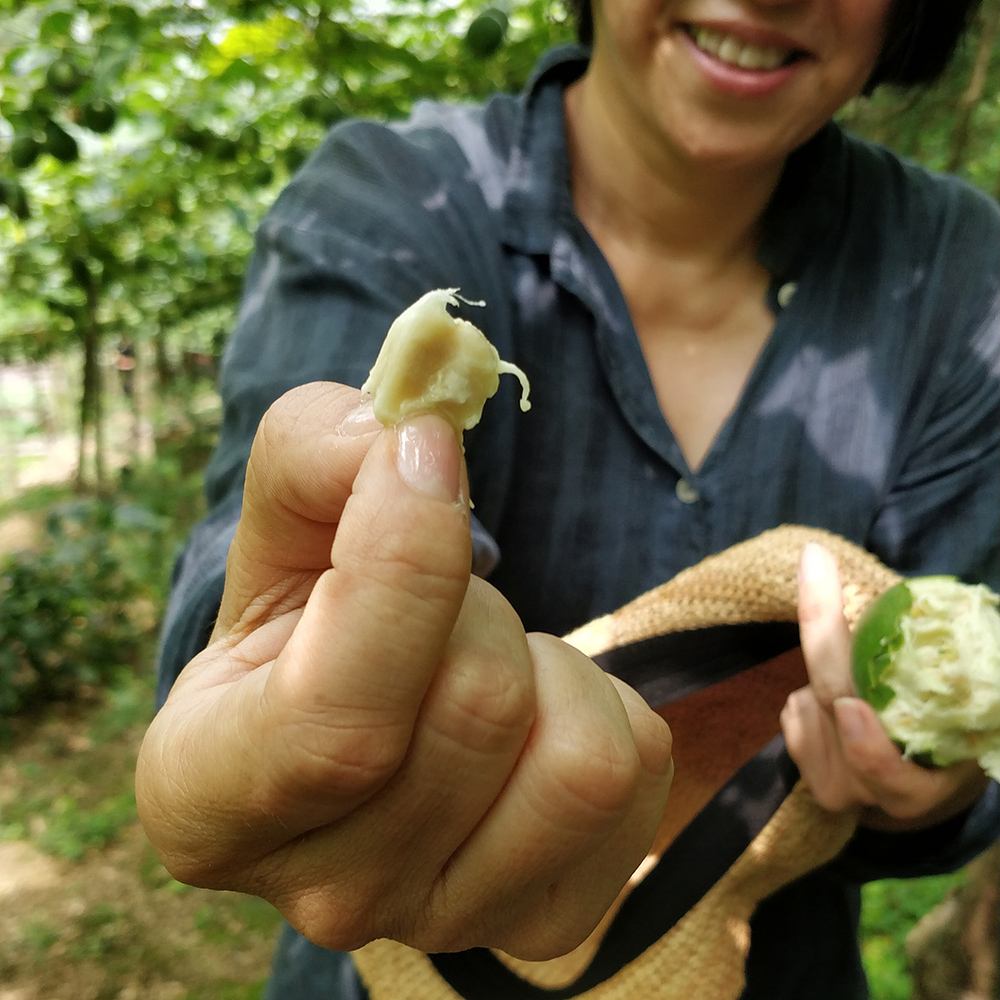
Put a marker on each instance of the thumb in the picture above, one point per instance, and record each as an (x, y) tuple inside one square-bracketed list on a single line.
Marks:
[(305, 457), (376, 624), (330, 713)]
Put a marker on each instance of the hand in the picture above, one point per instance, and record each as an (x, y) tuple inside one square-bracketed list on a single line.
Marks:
[(370, 741), (836, 739)]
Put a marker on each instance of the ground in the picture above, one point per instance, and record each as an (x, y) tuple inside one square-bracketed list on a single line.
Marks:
[(87, 911)]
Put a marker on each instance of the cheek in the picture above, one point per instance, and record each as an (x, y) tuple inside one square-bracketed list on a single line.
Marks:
[(863, 24)]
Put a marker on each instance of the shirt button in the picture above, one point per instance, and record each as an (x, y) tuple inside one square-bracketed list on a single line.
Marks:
[(787, 292), (686, 492)]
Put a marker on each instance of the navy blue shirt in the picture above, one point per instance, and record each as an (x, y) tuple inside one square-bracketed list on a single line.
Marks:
[(873, 410)]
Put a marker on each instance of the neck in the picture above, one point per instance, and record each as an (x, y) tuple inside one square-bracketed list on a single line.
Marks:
[(653, 198)]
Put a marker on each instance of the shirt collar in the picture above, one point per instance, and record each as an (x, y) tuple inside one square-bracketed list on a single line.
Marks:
[(539, 195), (538, 201)]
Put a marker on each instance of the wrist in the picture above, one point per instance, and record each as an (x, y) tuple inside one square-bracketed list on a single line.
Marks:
[(960, 801)]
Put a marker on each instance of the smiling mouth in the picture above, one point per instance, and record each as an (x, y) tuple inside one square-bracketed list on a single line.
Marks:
[(735, 51)]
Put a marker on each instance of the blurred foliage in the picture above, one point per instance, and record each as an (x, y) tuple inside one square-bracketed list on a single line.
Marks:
[(953, 126), (186, 120), (71, 617), (70, 809), (80, 609), (141, 142), (889, 911)]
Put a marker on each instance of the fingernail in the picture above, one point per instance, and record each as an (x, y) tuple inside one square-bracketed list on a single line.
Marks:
[(812, 564), (361, 420), (427, 457), (852, 719)]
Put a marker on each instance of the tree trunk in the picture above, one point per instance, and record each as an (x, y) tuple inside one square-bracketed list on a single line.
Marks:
[(164, 372), (989, 27), (954, 948), (8, 446), (91, 396)]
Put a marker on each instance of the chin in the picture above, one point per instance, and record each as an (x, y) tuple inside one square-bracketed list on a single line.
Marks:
[(724, 148)]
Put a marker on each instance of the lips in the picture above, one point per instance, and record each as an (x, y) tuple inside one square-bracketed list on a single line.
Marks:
[(738, 52)]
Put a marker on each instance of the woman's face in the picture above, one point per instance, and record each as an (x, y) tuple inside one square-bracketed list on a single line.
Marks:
[(732, 82)]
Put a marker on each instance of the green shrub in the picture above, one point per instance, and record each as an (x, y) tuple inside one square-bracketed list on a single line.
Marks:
[(75, 611)]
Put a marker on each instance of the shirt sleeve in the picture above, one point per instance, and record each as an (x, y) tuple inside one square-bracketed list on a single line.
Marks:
[(872, 855), (376, 218), (942, 514)]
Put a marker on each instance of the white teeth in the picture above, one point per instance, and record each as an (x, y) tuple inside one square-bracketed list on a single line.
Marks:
[(730, 49)]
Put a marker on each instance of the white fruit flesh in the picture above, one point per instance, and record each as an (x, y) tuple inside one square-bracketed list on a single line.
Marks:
[(433, 362), (946, 674)]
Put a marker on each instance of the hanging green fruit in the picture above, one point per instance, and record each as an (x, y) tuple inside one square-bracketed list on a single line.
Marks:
[(261, 173), (486, 33), (222, 148), (187, 134), (63, 77), (59, 143), (248, 140), (323, 108), (98, 115), (24, 150), (13, 195), (294, 157)]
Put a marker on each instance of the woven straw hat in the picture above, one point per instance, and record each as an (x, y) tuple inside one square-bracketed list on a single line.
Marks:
[(726, 627)]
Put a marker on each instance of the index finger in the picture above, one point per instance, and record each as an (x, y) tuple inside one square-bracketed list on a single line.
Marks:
[(904, 790), (823, 630)]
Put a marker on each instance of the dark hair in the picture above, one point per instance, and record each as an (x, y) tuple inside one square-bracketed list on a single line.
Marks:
[(920, 38)]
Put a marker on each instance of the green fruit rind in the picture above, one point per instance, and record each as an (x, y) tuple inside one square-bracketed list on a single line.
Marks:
[(877, 636), (926, 656)]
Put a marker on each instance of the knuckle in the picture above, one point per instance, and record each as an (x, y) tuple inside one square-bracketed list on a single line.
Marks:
[(445, 934), (552, 929), (393, 570), (832, 799), (598, 775), (903, 811), (483, 701), (332, 755), (192, 870), (345, 906), (331, 922), (811, 609), (874, 767)]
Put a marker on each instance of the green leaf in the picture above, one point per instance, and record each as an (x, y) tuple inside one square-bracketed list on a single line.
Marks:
[(124, 20), (238, 71), (55, 26)]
